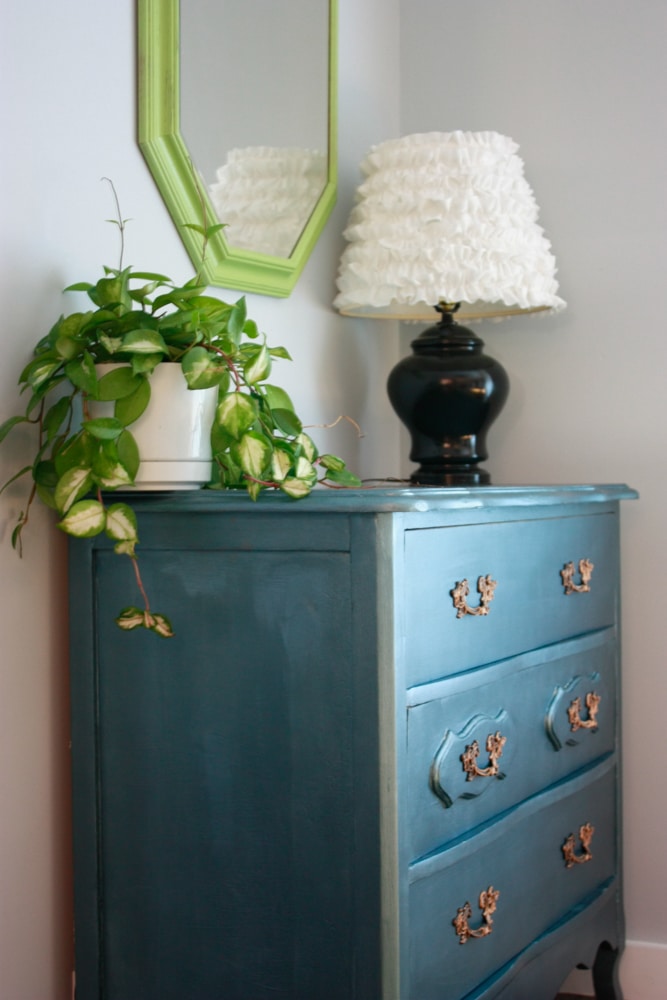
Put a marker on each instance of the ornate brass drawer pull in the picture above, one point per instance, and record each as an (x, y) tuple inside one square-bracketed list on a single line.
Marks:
[(585, 836), (488, 900), (586, 568), (574, 712), (485, 588), (494, 746)]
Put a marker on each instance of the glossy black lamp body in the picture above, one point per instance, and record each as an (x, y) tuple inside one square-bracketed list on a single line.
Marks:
[(448, 393)]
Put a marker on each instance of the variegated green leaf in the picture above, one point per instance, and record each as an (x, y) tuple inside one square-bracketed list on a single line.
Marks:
[(305, 470), (296, 488), (85, 519), (121, 523), (125, 548), (161, 625), (252, 453), (71, 486), (259, 367), (200, 369), (236, 413), (131, 618), (308, 446), (144, 342), (280, 465)]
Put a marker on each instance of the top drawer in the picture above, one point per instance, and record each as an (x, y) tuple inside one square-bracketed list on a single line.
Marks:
[(530, 605)]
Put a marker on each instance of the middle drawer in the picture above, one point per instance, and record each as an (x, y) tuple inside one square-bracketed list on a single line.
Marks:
[(501, 734)]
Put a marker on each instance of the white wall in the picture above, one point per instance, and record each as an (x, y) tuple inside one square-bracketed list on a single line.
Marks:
[(581, 85), (67, 116)]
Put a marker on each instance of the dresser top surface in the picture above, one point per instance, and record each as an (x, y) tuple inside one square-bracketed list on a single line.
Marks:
[(386, 498)]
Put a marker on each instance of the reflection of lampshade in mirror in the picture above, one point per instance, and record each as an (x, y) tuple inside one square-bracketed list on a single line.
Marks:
[(446, 221), (265, 195)]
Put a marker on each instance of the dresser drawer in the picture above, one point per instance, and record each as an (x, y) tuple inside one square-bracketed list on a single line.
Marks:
[(523, 859), (528, 606), (505, 733)]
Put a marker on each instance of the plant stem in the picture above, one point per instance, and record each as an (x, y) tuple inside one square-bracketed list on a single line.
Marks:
[(120, 222)]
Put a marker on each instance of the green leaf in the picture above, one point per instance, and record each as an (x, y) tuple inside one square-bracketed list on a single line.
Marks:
[(144, 364), (252, 453), (280, 352), (277, 398), (259, 367), (17, 475), (332, 462), (237, 318), (73, 485), (236, 413), (121, 524), (85, 519), (201, 371), (81, 373), (287, 422), (45, 474), (78, 451), (144, 342), (8, 424), (221, 441), (250, 329), (117, 384), (129, 408), (160, 279), (54, 418), (128, 454), (46, 496), (342, 477), (104, 428)]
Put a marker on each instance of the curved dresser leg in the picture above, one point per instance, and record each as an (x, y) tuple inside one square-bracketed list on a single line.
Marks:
[(605, 974)]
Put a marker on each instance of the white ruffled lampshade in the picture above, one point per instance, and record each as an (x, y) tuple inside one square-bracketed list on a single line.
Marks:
[(266, 194), (445, 217)]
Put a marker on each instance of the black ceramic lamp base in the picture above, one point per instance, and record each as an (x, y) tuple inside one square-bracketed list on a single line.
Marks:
[(448, 393)]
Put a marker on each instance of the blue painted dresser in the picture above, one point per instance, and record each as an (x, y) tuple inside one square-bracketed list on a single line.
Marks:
[(379, 760)]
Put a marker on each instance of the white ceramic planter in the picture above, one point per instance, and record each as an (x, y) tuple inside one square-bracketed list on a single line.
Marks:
[(173, 434)]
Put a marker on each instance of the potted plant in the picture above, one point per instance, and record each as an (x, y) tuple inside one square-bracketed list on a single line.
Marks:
[(139, 322)]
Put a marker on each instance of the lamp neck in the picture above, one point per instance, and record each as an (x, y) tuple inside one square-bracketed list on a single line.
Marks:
[(447, 336)]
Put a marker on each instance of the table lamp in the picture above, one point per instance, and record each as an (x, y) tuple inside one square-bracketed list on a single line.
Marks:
[(446, 221)]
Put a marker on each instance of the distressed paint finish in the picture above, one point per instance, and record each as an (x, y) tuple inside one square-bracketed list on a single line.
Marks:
[(254, 813)]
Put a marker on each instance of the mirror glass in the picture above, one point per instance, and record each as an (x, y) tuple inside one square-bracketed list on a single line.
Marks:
[(262, 155), (237, 121)]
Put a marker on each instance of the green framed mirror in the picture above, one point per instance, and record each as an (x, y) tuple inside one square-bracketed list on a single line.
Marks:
[(237, 121)]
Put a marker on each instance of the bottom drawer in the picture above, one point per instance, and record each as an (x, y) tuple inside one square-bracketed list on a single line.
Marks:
[(477, 905)]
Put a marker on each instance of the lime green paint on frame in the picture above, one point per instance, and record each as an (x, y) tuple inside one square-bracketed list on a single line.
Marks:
[(168, 158)]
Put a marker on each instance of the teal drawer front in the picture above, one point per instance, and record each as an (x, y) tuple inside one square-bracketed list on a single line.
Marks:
[(522, 859), (529, 606), (536, 705)]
